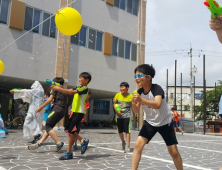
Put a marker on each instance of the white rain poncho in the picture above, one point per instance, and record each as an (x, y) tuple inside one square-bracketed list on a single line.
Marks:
[(33, 121)]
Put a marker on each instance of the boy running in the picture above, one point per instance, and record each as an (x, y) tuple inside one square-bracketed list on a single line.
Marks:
[(158, 117), (87, 105), (57, 113), (78, 112), (47, 110), (176, 120), (123, 120)]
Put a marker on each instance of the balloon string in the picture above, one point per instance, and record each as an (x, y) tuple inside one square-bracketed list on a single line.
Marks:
[(35, 27)]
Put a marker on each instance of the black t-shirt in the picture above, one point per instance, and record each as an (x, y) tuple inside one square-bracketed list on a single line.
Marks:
[(60, 99)]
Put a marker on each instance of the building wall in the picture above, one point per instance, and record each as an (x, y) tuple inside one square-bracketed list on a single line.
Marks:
[(32, 56), (107, 71), (185, 90)]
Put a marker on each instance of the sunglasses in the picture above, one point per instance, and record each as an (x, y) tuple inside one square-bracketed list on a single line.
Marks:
[(140, 76)]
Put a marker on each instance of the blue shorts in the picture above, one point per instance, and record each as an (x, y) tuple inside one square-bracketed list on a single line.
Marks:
[(176, 124), (45, 116)]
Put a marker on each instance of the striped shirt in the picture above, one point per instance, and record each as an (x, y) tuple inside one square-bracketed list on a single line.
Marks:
[(79, 100), (156, 117)]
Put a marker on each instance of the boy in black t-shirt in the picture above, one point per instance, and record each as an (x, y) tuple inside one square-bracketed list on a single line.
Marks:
[(57, 113), (158, 116)]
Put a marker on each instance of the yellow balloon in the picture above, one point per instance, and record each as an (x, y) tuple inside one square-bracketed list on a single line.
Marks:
[(68, 21), (2, 67)]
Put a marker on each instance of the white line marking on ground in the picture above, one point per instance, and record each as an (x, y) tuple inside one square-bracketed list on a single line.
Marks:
[(158, 159), (1, 168)]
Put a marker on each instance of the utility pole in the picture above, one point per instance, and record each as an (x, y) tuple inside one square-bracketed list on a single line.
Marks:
[(167, 87), (204, 95), (191, 83), (175, 85), (181, 95)]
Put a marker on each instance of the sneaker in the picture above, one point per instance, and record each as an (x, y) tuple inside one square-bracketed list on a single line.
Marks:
[(74, 147), (59, 146), (84, 146), (127, 149), (66, 156), (36, 139), (123, 145), (34, 146)]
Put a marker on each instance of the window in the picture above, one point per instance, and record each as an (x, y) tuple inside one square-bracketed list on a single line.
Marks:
[(129, 6), (34, 17), (99, 41), (115, 45), (36, 21), (134, 52), (28, 18), (4, 4), (122, 4), (135, 7), (121, 48), (82, 38), (53, 28), (92, 39), (75, 39), (116, 3), (127, 49), (46, 24), (101, 107)]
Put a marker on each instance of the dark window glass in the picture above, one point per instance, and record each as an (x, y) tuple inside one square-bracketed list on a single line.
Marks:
[(36, 21), (99, 41), (92, 39), (46, 24), (129, 6), (28, 18), (53, 27), (127, 49), (135, 7), (134, 52), (116, 3), (75, 39), (4, 11), (115, 43), (121, 48), (82, 39), (122, 4)]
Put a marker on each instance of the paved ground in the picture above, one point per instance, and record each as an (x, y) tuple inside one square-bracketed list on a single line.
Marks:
[(197, 151)]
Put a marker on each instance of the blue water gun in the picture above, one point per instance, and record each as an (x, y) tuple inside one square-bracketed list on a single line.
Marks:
[(50, 82)]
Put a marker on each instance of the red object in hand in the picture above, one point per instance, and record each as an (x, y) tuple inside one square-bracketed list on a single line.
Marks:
[(207, 4), (217, 5)]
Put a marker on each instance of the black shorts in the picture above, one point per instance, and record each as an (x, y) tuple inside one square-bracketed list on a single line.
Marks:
[(74, 123), (54, 117), (176, 124), (123, 125), (166, 131)]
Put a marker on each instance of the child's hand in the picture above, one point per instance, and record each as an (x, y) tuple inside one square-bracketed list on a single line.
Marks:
[(38, 110), (216, 24), (136, 98), (12, 91)]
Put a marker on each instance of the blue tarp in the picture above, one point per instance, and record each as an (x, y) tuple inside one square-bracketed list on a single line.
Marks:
[(220, 106)]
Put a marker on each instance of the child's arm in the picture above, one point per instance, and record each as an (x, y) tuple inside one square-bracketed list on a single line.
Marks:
[(45, 104), (156, 104), (216, 25), (66, 91)]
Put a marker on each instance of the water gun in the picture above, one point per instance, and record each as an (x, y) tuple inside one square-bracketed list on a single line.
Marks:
[(118, 109), (135, 91), (51, 82), (17, 89), (214, 7)]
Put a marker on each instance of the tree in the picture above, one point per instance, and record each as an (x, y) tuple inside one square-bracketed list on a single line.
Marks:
[(212, 103)]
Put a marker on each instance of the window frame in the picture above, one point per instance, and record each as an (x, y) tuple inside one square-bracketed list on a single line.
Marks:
[(9, 9), (100, 108), (40, 21)]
